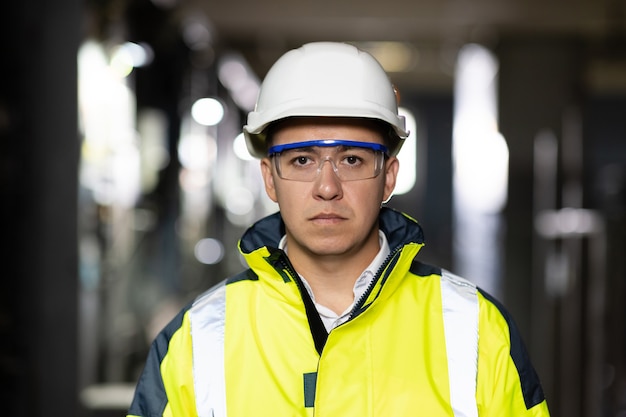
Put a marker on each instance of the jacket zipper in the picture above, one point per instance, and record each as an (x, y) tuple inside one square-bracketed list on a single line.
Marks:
[(359, 304), (316, 325)]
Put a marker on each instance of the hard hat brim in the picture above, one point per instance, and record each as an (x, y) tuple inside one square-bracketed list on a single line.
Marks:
[(254, 130)]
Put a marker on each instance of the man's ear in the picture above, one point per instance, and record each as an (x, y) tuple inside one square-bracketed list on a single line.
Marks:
[(268, 179), (391, 174)]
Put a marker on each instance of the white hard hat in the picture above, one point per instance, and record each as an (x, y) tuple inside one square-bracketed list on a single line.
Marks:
[(325, 79)]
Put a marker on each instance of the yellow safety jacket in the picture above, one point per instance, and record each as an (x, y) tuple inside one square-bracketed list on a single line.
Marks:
[(421, 342)]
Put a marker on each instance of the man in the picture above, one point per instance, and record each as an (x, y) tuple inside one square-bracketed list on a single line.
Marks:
[(335, 316)]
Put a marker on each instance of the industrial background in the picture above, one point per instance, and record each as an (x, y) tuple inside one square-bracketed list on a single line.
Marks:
[(124, 186)]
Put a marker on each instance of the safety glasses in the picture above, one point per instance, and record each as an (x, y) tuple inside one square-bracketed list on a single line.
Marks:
[(350, 160)]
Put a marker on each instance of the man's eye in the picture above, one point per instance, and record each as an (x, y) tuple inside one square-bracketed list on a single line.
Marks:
[(301, 160), (352, 160)]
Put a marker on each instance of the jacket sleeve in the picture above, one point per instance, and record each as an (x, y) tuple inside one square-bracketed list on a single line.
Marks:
[(165, 387), (507, 382)]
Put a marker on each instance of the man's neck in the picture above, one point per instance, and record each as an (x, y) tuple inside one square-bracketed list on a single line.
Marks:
[(332, 277)]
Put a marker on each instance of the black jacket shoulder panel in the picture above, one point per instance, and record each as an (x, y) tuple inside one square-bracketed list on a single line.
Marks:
[(247, 275), (423, 270), (399, 228), (266, 232), (531, 386), (150, 390)]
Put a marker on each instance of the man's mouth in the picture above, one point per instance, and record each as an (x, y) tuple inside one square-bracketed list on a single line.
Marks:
[(327, 218)]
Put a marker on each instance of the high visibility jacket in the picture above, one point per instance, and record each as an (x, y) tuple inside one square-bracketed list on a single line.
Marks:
[(421, 342)]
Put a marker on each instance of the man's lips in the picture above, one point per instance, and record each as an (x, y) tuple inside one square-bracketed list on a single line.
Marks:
[(327, 217)]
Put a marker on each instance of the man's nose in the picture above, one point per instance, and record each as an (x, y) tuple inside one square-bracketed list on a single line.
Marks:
[(328, 184)]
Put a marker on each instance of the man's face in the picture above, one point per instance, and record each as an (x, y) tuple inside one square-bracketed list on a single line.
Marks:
[(327, 216)]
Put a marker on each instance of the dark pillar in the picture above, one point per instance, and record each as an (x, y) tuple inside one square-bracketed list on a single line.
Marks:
[(38, 186), (539, 83)]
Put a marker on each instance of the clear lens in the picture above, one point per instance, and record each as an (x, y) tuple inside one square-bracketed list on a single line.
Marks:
[(348, 163)]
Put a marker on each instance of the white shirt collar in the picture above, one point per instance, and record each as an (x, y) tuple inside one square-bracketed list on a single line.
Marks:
[(329, 317)]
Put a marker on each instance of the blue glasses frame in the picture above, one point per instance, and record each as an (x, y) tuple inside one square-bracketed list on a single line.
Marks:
[(327, 143)]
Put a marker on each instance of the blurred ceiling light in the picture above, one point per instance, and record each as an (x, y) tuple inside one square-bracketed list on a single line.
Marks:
[(393, 56), (196, 151), (568, 222), (209, 251), (245, 97), (239, 201), (207, 111), (241, 149), (193, 180), (235, 74), (232, 72), (110, 160), (152, 125), (197, 32), (480, 152), (481, 171), (130, 55)]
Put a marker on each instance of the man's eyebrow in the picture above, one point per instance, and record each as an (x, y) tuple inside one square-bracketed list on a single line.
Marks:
[(303, 148)]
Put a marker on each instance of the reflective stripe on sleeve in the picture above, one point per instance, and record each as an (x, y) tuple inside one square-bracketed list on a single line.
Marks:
[(460, 316), (207, 332)]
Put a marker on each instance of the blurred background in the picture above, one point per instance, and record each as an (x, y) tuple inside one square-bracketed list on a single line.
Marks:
[(125, 184)]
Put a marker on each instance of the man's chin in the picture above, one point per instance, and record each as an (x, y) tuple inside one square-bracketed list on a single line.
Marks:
[(329, 248)]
